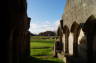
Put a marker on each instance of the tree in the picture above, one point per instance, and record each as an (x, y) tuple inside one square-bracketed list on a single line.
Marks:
[(47, 33)]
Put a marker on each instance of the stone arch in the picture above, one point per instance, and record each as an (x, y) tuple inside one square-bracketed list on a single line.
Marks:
[(61, 24), (65, 29), (73, 38), (59, 33), (58, 46), (90, 32), (75, 26), (82, 42), (90, 20), (60, 30)]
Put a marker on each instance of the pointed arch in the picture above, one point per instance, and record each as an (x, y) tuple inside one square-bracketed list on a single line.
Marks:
[(89, 21), (65, 29), (90, 31), (61, 24), (75, 26)]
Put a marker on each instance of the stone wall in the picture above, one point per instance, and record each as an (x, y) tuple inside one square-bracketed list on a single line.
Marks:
[(79, 13), (14, 27)]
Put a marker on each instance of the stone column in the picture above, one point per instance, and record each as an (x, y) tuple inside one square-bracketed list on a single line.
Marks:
[(28, 37)]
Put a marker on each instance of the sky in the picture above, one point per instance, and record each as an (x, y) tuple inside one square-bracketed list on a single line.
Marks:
[(45, 14)]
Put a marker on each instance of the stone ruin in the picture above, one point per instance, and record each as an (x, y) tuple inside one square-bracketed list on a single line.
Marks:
[(15, 37), (77, 32)]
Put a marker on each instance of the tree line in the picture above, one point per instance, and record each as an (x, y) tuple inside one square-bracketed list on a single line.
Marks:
[(46, 33)]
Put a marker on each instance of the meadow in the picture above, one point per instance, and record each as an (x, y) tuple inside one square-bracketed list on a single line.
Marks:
[(41, 48)]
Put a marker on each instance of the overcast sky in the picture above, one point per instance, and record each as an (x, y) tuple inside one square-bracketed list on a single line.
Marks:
[(45, 14)]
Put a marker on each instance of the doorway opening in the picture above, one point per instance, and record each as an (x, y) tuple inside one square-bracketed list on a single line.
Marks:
[(45, 16)]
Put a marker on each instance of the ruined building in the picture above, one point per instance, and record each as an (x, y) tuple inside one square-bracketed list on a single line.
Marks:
[(14, 25), (79, 11), (77, 31)]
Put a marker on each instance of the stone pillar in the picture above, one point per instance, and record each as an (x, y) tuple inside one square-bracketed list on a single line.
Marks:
[(28, 37), (61, 24), (75, 44), (66, 32)]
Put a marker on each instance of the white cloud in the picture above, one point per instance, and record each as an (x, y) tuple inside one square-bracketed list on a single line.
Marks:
[(56, 25), (33, 26), (45, 26)]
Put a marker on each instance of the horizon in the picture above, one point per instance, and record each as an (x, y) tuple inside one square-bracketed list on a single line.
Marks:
[(42, 32), (45, 15)]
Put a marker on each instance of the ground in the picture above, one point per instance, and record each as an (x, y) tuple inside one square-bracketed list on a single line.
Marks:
[(41, 48)]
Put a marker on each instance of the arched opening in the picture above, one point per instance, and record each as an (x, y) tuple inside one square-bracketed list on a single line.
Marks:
[(73, 38), (90, 32), (44, 15), (15, 37)]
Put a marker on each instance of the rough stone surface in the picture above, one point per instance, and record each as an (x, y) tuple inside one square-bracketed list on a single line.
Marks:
[(14, 26), (80, 12)]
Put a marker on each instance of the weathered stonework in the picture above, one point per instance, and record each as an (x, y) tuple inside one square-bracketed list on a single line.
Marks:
[(78, 31), (79, 13), (14, 25)]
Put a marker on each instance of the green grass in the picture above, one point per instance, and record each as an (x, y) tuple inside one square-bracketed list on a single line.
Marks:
[(48, 60), (50, 37), (41, 44), (42, 50)]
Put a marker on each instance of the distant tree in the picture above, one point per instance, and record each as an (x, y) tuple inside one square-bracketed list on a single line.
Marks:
[(47, 33)]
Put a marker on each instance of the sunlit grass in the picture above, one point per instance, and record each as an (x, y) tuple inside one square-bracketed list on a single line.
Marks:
[(41, 52), (43, 49)]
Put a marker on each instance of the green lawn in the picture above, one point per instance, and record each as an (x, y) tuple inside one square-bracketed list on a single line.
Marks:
[(41, 43), (42, 50)]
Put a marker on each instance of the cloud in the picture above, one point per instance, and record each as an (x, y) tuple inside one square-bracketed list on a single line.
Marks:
[(56, 25), (45, 26), (33, 27)]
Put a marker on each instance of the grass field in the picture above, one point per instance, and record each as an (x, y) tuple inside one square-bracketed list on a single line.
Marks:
[(42, 50)]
